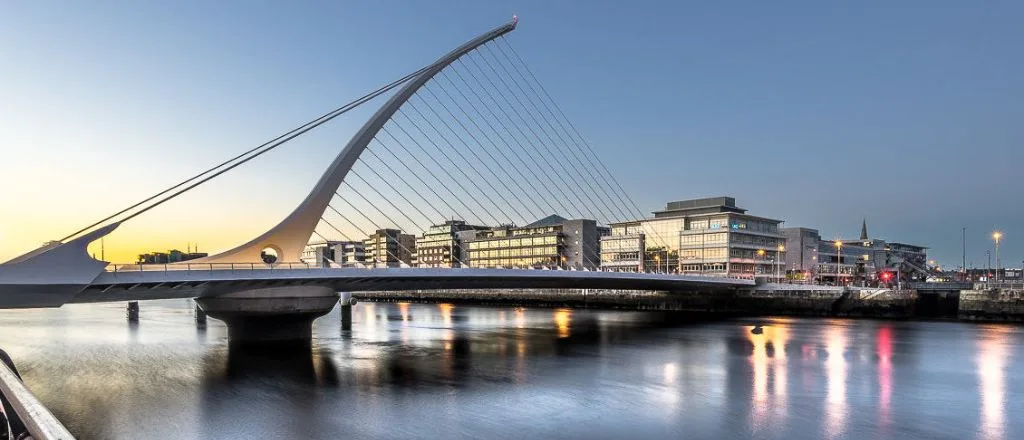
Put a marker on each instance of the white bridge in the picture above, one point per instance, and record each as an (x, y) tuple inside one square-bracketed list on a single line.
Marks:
[(498, 141)]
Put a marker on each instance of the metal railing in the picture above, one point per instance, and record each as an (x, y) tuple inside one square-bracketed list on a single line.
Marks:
[(38, 421), (253, 267)]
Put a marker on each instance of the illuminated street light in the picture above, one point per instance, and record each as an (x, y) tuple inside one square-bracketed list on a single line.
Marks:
[(778, 257), (839, 258), (997, 236)]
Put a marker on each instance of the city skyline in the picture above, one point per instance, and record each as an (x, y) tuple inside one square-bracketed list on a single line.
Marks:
[(140, 113)]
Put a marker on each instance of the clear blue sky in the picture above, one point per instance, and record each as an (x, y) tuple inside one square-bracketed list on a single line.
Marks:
[(907, 113)]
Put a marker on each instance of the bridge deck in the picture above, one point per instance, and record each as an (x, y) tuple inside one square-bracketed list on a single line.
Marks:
[(143, 285)]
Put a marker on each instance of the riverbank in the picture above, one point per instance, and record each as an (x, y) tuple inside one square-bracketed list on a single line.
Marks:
[(782, 301)]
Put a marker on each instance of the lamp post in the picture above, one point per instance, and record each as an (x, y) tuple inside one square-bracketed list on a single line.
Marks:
[(839, 258), (657, 263), (988, 269), (997, 236), (760, 253), (778, 256), (964, 255)]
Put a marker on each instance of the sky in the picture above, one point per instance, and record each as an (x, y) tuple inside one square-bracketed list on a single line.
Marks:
[(817, 113)]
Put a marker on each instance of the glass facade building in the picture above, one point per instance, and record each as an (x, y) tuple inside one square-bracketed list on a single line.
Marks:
[(703, 236), (389, 248), (552, 242), (444, 245)]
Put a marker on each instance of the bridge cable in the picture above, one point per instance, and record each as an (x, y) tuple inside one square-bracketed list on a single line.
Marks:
[(508, 206), (526, 166), (378, 210), (515, 194), (533, 111), (484, 193), (479, 220), (259, 150), (529, 127), (606, 187), (623, 195), (357, 227), (526, 152), (441, 167), (592, 157), (586, 255), (361, 230), (414, 190), (326, 241), (530, 97), (388, 200)]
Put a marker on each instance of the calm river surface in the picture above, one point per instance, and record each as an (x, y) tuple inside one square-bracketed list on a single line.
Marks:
[(442, 371)]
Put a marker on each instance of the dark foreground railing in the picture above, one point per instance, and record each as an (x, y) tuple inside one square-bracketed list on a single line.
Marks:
[(22, 417)]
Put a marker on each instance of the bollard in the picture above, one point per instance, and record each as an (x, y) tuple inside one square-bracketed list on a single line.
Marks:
[(133, 311), (346, 301)]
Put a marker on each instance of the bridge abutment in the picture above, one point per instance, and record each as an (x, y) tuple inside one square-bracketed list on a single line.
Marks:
[(270, 315)]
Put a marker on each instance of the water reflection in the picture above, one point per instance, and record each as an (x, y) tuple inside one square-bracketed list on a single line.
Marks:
[(993, 353), (883, 347), (443, 371), (563, 319), (835, 398), (769, 371)]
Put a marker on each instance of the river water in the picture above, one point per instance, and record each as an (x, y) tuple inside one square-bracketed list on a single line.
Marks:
[(443, 371)]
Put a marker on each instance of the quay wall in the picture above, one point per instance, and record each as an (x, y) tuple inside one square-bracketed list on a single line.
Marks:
[(789, 301), (995, 305)]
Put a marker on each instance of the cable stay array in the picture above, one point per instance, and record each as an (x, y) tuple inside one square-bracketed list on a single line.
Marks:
[(481, 144)]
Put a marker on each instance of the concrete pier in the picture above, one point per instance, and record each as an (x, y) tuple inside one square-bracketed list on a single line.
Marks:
[(270, 315), (132, 311), (200, 317), (345, 301)]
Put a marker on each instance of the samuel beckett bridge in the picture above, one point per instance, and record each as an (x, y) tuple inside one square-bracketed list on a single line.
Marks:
[(473, 136)]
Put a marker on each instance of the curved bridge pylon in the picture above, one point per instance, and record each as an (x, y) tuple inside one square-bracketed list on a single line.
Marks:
[(289, 237)]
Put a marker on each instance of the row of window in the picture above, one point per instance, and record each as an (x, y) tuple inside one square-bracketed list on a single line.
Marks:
[(751, 254), (433, 251), (515, 252), (709, 267), (620, 256), (516, 262), (514, 242), (704, 239), (629, 244), (702, 254), (756, 240)]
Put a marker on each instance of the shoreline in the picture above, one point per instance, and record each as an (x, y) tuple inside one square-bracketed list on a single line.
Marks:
[(915, 307)]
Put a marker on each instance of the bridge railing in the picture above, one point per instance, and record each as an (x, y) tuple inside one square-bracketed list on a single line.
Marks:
[(252, 267)]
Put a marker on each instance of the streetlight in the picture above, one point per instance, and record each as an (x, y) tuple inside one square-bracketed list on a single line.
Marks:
[(997, 236), (760, 253), (778, 256), (657, 263), (839, 258)]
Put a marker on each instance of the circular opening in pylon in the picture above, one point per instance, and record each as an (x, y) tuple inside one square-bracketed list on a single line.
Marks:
[(270, 255)]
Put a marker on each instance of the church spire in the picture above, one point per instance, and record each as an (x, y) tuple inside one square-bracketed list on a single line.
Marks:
[(864, 230)]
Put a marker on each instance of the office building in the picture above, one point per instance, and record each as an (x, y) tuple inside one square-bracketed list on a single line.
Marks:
[(444, 245), (861, 261), (551, 242), (334, 254), (709, 236), (389, 248)]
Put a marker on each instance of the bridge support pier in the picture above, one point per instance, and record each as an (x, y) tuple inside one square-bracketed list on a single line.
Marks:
[(269, 315), (132, 310), (200, 317), (345, 301)]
